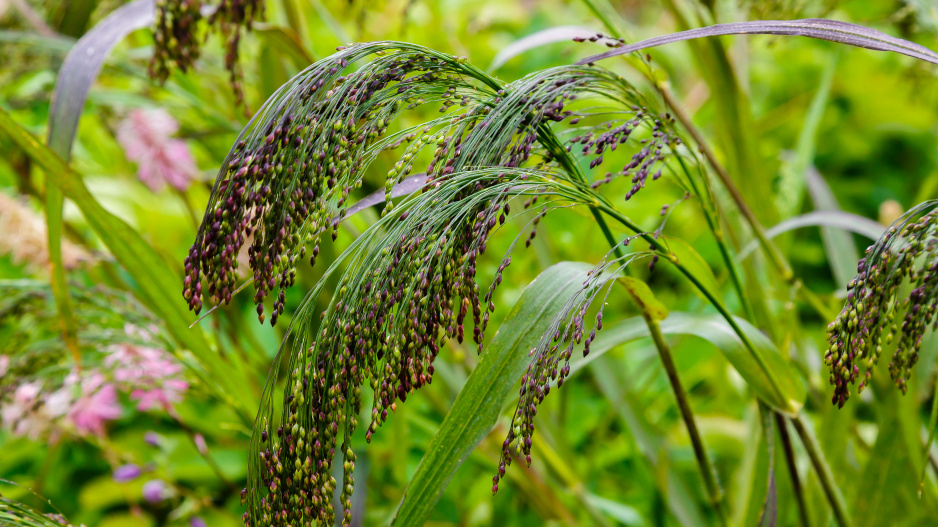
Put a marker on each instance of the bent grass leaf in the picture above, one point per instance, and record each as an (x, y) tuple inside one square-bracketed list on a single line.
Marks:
[(716, 330), (155, 281), (818, 28), (845, 221), (478, 404), (839, 246), (536, 40)]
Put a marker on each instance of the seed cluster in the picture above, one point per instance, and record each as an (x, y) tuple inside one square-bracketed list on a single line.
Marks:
[(290, 175), (411, 290), (411, 280), (856, 337), (551, 363), (178, 40), (647, 161)]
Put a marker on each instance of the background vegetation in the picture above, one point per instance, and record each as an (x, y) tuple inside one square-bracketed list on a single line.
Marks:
[(801, 125)]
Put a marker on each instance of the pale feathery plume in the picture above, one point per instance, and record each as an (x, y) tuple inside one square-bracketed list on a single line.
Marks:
[(23, 237)]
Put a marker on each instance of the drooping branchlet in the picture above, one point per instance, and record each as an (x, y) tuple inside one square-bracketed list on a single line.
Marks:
[(178, 38), (875, 315)]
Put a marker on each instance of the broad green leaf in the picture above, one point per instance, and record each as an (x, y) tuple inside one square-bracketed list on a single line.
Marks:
[(716, 330), (694, 263), (642, 295), (157, 284), (479, 402)]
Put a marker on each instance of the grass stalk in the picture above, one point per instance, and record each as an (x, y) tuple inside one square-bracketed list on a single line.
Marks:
[(707, 470), (823, 471), (797, 490)]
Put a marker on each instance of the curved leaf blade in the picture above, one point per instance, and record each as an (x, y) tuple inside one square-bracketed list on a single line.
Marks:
[(479, 402), (537, 39), (840, 248), (716, 330), (845, 221), (81, 67), (818, 28)]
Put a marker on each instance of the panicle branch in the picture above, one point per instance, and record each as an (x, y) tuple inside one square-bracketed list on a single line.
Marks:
[(875, 313)]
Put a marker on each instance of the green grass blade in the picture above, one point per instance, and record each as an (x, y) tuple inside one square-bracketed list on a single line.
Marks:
[(716, 330), (793, 173), (842, 253), (479, 402), (680, 500)]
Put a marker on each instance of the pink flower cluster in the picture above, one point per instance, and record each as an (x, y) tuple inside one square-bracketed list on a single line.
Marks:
[(83, 402), (153, 376), (88, 399), (146, 137)]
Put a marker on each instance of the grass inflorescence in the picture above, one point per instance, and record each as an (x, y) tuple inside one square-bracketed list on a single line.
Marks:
[(879, 310), (410, 282)]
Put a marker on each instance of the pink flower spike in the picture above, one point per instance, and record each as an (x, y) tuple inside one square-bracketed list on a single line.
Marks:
[(146, 138), (90, 412), (157, 397)]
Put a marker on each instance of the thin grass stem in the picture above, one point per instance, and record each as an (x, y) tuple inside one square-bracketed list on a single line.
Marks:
[(823, 471), (797, 490), (704, 464)]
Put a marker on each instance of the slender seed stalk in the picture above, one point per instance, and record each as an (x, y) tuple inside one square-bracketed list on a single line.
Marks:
[(706, 467), (775, 255), (782, 426), (823, 471)]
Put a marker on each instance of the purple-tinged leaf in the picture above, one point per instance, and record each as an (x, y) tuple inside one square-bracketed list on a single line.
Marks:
[(78, 71), (81, 67), (819, 28)]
